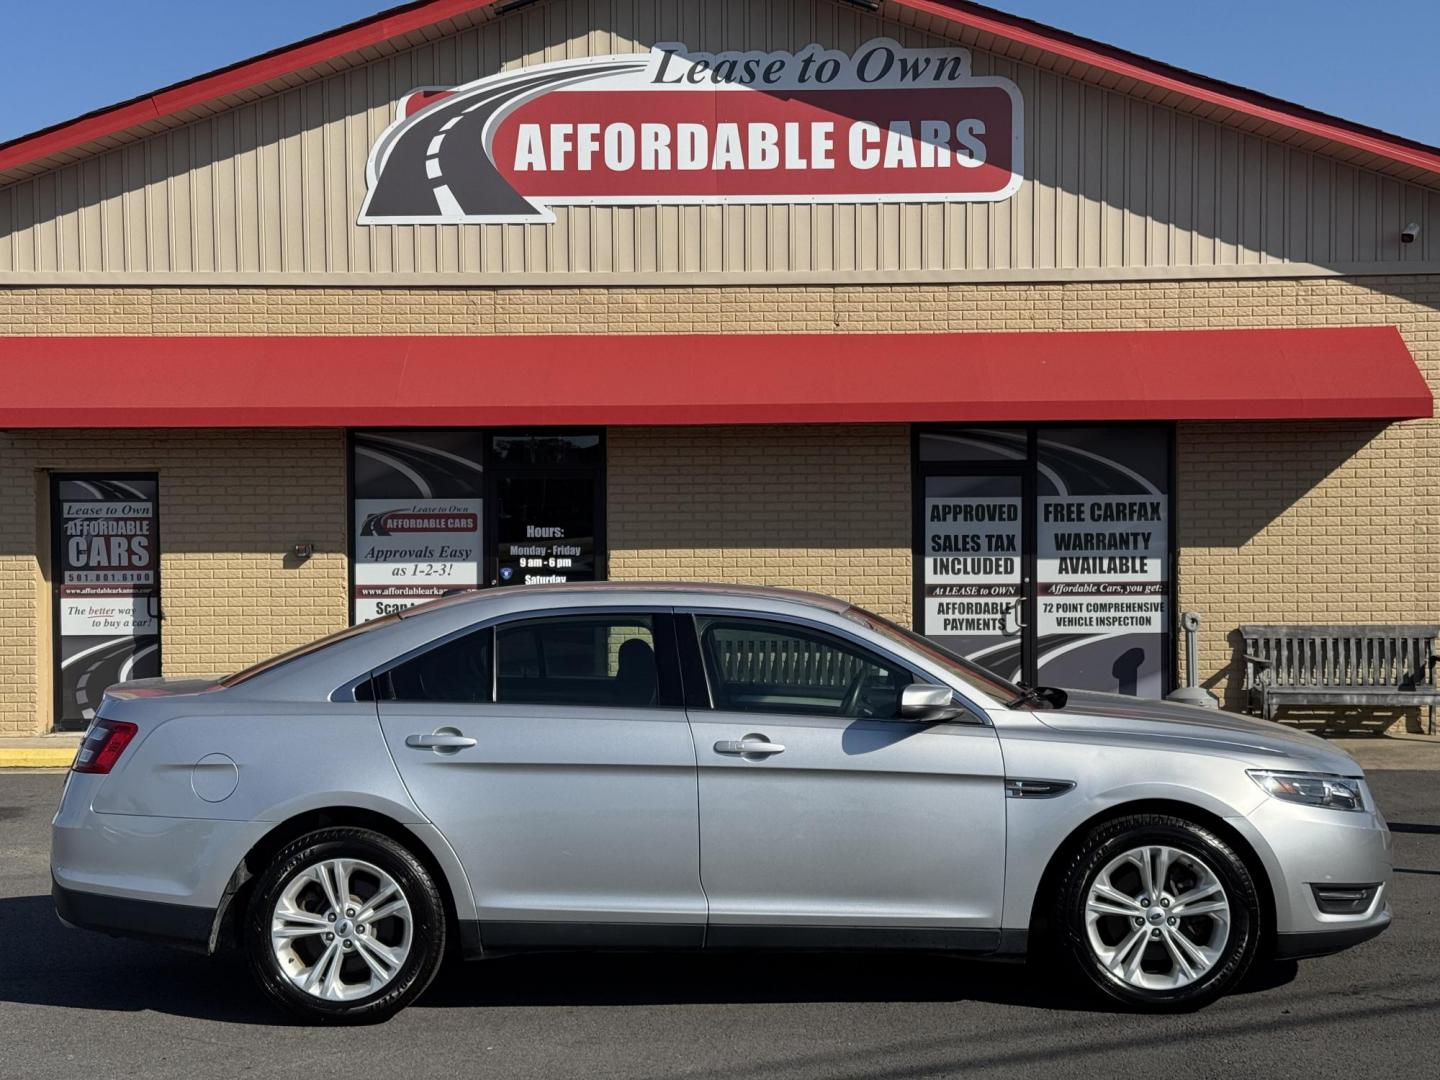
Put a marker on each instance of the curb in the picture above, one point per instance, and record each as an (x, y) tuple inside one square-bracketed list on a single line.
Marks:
[(38, 757)]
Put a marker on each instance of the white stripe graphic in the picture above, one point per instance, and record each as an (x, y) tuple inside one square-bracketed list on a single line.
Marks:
[(129, 664), (475, 465), (400, 467), (449, 205)]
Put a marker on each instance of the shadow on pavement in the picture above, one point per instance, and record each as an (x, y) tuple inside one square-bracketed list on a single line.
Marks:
[(48, 964)]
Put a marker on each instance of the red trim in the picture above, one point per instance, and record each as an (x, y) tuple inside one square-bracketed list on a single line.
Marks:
[(1346, 372), (402, 20), (202, 89), (1155, 73)]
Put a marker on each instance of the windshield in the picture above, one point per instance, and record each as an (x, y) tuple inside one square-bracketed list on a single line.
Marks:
[(972, 674), (305, 650)]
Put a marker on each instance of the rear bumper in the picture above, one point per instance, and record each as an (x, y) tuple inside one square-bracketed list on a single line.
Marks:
[(1324, 942), (180, 925)]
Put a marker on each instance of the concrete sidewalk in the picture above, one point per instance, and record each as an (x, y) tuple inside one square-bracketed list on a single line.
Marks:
[(39, 751), (1404, 751)]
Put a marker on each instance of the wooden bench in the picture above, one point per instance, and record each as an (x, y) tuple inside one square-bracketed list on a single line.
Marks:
[(1336, 666)]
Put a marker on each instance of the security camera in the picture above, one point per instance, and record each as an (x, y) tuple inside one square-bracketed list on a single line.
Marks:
[(1409, 233)]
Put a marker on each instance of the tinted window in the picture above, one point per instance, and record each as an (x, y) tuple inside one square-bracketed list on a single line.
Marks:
[(459, 670), (578, 660), (773, 667)]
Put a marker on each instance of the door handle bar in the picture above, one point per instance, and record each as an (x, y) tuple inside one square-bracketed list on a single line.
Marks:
[(439, 742), (748, 746)]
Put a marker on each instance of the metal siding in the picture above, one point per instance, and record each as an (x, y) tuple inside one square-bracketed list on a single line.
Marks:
[(1113, 182)]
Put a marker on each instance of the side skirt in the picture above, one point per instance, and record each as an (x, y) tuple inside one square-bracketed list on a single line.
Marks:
[(478, 938)]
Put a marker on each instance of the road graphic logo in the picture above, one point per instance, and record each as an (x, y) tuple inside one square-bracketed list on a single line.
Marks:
[(885, 123)]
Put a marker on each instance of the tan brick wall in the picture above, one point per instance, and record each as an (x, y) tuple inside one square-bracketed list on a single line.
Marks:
[(822, 508), (232, 506), (1333, 522)]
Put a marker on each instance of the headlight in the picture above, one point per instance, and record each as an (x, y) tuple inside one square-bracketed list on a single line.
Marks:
[(1311, 789)]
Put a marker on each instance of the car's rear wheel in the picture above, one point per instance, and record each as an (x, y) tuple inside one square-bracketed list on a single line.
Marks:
[(1158, 912), (345, 926)]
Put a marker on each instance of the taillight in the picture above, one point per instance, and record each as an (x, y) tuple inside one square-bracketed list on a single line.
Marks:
[(104, 743)]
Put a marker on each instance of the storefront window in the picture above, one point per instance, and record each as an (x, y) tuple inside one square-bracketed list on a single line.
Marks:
[(417, 517), (1044, 554), (436, 511)]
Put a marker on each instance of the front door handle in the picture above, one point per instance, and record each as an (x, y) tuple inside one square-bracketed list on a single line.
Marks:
[(440, 741), (750, 744)]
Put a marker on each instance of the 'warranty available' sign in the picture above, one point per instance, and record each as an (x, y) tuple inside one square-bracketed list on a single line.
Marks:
[(885, 123)]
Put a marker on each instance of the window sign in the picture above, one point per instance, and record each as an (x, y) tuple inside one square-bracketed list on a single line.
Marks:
[(107, 587), (418, 514), (545, 528), (972, 566), (1102, 560)]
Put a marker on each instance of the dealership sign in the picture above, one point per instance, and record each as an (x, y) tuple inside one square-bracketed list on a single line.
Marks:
[(885, 123)]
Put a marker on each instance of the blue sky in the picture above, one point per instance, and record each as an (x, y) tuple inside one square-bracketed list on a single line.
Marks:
[(1370, 62)]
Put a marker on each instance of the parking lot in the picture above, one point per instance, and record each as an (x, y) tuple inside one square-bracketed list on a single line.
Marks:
[(77, 1004)]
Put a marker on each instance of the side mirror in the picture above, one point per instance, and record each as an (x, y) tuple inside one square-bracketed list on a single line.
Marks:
[(925, 703)]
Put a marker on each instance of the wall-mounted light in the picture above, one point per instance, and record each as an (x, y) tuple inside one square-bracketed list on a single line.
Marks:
[(303, 551)]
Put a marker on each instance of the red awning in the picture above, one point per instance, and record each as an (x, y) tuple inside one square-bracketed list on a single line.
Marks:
[(1347, 372)]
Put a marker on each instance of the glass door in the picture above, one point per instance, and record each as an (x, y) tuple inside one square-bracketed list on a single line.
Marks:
[(105, 579), (547, 507), (1044, 553)]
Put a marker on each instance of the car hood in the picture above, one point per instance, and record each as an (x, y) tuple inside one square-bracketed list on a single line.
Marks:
[(1263, 741)]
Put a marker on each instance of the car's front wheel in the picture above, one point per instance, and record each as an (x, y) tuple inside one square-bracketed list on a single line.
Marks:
[(345, 926), (1158, 912)]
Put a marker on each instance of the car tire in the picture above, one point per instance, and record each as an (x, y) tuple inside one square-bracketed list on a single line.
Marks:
[(1106, 919), (307, 940)]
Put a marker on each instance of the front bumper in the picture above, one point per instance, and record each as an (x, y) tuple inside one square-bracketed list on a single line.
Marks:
[(180, 925), (1324, 942), (1303, 847)]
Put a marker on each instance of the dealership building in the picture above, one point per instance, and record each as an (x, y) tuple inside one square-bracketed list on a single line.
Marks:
[(1008, 335)]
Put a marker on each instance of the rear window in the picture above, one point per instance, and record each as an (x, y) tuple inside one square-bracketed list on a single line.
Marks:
[(246, 674)]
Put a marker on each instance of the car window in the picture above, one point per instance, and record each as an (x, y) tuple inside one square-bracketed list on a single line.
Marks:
[(968, 671), (459, 670), (755, 665), (595, 660)]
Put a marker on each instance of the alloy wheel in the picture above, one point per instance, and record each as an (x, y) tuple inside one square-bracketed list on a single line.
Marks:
[(341, 929), (1157, 918)]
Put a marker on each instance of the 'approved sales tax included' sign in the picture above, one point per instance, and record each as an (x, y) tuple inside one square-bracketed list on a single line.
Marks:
[(885, 123)]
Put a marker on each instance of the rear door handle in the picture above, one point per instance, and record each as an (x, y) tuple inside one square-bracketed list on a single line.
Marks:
[(751, 744), (440, 741)]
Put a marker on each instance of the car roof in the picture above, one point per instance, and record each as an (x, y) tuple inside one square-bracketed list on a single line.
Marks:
[(666, 591)]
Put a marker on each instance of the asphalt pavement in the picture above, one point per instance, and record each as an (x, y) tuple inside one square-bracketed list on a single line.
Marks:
[(77, 1004)]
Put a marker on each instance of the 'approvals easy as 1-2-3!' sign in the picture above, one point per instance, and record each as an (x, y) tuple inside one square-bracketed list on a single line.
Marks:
[(884, 123)]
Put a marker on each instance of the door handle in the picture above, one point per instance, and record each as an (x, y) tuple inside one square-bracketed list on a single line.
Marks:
[(1013, 623), (440, 741), (751, 744)]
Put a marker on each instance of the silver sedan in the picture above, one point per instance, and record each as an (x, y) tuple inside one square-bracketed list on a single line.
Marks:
[(698, 767)]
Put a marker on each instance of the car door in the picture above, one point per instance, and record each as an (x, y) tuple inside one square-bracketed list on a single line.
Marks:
[(825, 819), (554, 754)]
